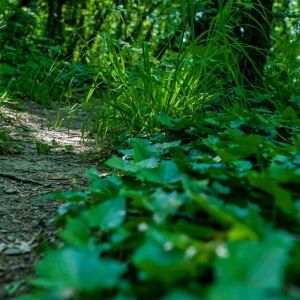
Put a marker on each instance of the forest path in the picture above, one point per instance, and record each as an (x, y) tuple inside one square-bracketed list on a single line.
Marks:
[(24, 177)]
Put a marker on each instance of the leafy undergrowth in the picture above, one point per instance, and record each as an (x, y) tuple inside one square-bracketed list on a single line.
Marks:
[(9, 145), (208, 210)]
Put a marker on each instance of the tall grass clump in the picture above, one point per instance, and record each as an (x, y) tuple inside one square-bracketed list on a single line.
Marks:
[(132, 88), (127, 85)]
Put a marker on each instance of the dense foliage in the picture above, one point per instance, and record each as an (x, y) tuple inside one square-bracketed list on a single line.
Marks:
[(201, 197), (210, 210)]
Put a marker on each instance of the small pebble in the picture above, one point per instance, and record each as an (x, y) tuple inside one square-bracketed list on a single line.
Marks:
[(11, 251), (11, 191)]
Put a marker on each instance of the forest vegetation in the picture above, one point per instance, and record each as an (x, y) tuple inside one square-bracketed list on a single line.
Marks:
[(199, 103)]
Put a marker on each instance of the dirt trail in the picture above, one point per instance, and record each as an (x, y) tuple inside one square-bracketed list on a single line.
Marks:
[(26, 176)]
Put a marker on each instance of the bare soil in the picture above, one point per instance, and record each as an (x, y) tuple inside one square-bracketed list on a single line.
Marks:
[(24, 177)]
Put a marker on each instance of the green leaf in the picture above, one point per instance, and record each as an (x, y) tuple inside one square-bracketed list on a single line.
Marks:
[(121, 164), (4, 136), (166, 265), (219, 188), (150, 163), (164, 204), (212, 121), (42, 147), (297, 143), (76, 233), (245, 276), (105, 188), (178, 294), (283, 197), (170, 144), (107, 215), (141, 152), (71, 196), (245, 146), (165, 120), (79, 270), (229, 155), (194, 231), (238, 230), (69, 148), (167, 172), (92, 173), (236, 124), (252, 140), (289, 113)]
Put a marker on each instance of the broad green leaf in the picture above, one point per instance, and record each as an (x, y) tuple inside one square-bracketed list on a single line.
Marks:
[(76, 233), (178, 153), (251, 140), (178, 294), (289, 113), (239, 291), (150, 163), (167, 172), (107, 215), (244, 147), (171, 144), (104, 188), (212, 121), (219, 188), (284, 173), (164, 204), (210, 141), (55, 294), (243, 164), (297, 143), (283, 197), (42, 147), (121, 164), (239, 231), (92, 173), (248, 270), (167, 265), (236, 124), (262, 119), (194, 231), (71, 196), (4, 136), (128, 153), (165, 120), (141, 152), (69, 148), (229, 155), (214, 168), (80, 270)]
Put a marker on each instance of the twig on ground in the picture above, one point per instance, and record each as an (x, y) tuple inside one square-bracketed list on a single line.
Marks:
[(21, 179)]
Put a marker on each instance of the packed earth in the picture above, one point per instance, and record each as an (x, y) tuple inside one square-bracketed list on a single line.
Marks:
[(26, 173)]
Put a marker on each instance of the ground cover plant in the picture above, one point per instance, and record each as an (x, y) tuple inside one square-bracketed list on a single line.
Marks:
[(200, 198), (210, 211)]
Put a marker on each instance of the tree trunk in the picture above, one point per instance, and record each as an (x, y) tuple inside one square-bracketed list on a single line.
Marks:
[(256, 36), (254, 32), (54, 14)]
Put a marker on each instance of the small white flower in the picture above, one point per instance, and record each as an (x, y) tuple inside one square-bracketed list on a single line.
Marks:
[(142, 227), (222, 251), (168, 246), (190, 252)]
